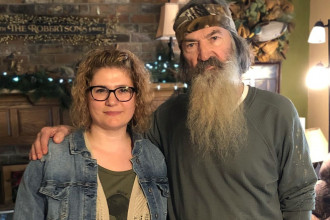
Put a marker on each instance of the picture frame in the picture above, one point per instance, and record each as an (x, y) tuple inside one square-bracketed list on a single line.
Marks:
[(266, 76), (10, 179)]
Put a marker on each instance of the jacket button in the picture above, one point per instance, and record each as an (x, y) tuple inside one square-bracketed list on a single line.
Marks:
[(156, 215), (91, 164), (137, 161), (149, 190)]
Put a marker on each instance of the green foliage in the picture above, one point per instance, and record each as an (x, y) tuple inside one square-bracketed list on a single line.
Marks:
[(38, 85)]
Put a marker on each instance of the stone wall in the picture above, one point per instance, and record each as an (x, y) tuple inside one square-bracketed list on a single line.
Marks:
[(137, 26)]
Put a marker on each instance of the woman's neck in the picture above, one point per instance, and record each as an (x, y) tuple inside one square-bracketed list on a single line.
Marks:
[(111, 148)]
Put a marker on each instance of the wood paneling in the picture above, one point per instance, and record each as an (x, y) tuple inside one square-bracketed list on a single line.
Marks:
[(4, 123), (21, 119), (30, 120)]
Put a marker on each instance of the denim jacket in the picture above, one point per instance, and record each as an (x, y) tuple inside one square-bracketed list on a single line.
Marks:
[(63, 184)]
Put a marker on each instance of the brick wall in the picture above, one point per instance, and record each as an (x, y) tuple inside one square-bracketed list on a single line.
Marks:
[(138, 22), (137, 26)]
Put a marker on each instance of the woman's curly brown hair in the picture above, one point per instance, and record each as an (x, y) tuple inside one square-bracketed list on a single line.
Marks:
[(122, 59)]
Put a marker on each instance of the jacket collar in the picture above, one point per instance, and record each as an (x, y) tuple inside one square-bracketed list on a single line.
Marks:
[(137, 138), (77, 142)]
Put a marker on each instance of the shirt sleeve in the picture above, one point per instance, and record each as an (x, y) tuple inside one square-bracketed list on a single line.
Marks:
[(301, 215), (153, 134), (297, 175), (30, 203)]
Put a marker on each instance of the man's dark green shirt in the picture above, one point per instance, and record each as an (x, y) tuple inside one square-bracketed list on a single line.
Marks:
[(271, 177)]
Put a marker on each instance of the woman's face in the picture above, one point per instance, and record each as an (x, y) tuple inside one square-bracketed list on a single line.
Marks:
[(111, 114)]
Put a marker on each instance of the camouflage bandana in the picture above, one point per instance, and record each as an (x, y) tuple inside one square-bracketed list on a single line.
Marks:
[(202, 16)]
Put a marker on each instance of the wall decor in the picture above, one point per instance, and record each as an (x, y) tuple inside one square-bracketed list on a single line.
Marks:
[(266, 24), (66, 29)]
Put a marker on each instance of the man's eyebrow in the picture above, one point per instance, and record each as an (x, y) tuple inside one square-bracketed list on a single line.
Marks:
[(214, 32), (189, 40), (207, 36)]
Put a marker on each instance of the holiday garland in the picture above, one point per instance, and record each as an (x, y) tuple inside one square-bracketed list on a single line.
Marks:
[(38, 85), (163, 70)]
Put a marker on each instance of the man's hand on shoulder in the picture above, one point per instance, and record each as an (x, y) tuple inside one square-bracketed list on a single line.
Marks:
[(40, 145)]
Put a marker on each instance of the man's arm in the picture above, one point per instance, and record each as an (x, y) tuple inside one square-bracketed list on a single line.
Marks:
[(40, 145), (297, 177)]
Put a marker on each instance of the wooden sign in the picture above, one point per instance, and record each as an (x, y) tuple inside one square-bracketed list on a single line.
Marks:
[(69, 29)]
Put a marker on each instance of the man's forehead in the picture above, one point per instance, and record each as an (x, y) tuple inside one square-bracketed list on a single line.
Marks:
[(204, 33)]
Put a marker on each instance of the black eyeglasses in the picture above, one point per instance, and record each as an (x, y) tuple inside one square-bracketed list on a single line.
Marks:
[(102, 93)]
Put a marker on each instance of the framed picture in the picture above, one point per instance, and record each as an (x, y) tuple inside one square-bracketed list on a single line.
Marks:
[(264, 76), (10, 179)]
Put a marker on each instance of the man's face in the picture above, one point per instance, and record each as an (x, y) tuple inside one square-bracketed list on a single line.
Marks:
[(205, 43), (215, 122)]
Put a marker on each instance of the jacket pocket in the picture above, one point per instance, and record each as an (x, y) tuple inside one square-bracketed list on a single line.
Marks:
[(57, 201)]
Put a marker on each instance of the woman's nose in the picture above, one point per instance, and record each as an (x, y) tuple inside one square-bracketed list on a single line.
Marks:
[(111, 100)]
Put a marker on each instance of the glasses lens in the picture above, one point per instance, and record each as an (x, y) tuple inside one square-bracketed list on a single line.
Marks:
[(124, 94), (100, 93)]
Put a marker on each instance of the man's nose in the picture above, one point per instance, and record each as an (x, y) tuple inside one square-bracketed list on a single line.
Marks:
[(204, 52)]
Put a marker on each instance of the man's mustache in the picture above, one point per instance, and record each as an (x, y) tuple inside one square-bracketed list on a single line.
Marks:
[(211, 62)]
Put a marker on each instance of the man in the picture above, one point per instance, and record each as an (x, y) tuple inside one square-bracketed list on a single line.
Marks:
[(232, 151)]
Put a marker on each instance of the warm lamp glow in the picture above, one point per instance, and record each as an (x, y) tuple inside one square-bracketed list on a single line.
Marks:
[(318, 145), (166, 21), (318, 77)]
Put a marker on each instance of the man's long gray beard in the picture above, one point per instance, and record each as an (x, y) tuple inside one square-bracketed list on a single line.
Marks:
[(215, 120)]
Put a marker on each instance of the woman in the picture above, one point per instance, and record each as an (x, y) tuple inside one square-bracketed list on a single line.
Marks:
[(105, 169)]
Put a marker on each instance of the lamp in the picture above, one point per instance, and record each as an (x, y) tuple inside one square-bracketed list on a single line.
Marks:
[(317, 35), (318, 145), (320, 73), (165, 28)]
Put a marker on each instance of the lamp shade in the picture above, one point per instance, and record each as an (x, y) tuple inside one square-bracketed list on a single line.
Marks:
[(317, 35), (166, 21), (318, 145)]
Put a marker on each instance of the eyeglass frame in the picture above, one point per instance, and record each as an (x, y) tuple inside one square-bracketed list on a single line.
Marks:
[(90, 89)]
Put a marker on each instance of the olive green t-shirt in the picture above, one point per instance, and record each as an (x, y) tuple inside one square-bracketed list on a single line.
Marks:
[(270, 177), (117, 187)]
